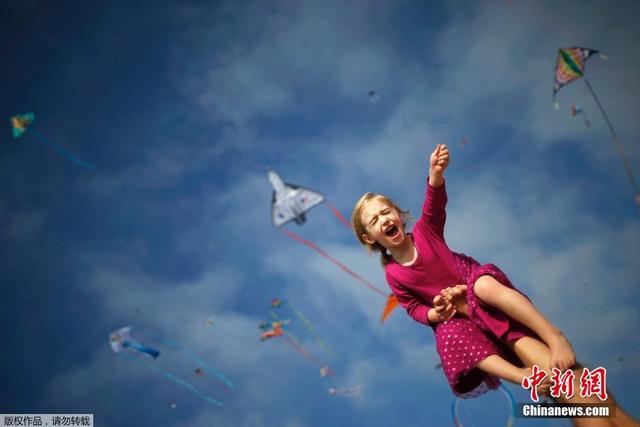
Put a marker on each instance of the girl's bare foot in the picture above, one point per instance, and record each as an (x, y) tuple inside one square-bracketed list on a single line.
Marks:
[(562, 355)]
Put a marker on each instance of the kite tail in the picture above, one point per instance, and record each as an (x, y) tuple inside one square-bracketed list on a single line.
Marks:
[(337, 213), (142, 348), (310, 327), (62, 151), (199, 361), (181, 382), (615, 140), (392, 303), (313, 246)]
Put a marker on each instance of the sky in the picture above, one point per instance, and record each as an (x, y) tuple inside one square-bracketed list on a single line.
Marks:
[(181, 107)]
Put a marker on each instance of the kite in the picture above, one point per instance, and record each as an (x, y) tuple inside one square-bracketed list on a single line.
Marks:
[(455, 406), (291, 202), (172, 405), (570, 66), (325, 371), (209, 322), (22, 122), (374, 97), (276, 303), (463, 142), (575, 110), (351, 391), (121, 339), (273, 329)]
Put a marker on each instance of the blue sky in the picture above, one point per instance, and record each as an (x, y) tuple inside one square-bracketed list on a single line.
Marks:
[(182, 105)]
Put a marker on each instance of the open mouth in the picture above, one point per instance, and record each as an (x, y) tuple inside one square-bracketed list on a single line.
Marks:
[(391, 231)]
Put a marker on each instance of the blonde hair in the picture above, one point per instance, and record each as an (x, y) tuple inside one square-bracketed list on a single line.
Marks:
[(360, 229)]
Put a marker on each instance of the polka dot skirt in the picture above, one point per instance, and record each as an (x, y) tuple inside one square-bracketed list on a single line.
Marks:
[(461, 346), (463, 343)]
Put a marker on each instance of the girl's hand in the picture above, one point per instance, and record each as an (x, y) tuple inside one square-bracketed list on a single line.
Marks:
[(456, 296), (439, 159), (444, 309)]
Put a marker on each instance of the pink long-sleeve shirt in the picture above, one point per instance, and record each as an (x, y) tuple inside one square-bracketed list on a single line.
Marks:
[(434, 269)]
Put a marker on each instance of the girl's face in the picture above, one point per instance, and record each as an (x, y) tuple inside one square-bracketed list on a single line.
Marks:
[(383, 224)]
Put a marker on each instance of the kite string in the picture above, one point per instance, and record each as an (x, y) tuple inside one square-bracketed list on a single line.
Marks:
[(60, 150), (615, 139), (304, 352), (177, 380), (337, 213), (313, 246), (310, 327), (199, 361), (43, 290)]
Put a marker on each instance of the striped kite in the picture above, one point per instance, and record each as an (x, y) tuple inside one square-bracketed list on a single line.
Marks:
[(569, 67)]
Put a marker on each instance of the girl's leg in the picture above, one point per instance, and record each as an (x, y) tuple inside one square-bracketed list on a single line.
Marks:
[(534, 352), (518, 307), (498, 366)]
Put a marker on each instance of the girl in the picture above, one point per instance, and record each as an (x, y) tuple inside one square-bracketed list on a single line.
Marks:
[(495, 331)]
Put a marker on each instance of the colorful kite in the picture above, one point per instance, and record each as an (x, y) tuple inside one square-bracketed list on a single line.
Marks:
[(575, 110), (273, 329), (569, 67), (22, 122)]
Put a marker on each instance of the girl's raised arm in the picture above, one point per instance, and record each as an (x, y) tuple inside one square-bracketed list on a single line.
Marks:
[(433, 210)]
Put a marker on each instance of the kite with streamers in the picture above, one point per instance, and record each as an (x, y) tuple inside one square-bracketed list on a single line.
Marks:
[(575, 111), (273, 329), (121, 340), (23, 122), (570, 66)]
